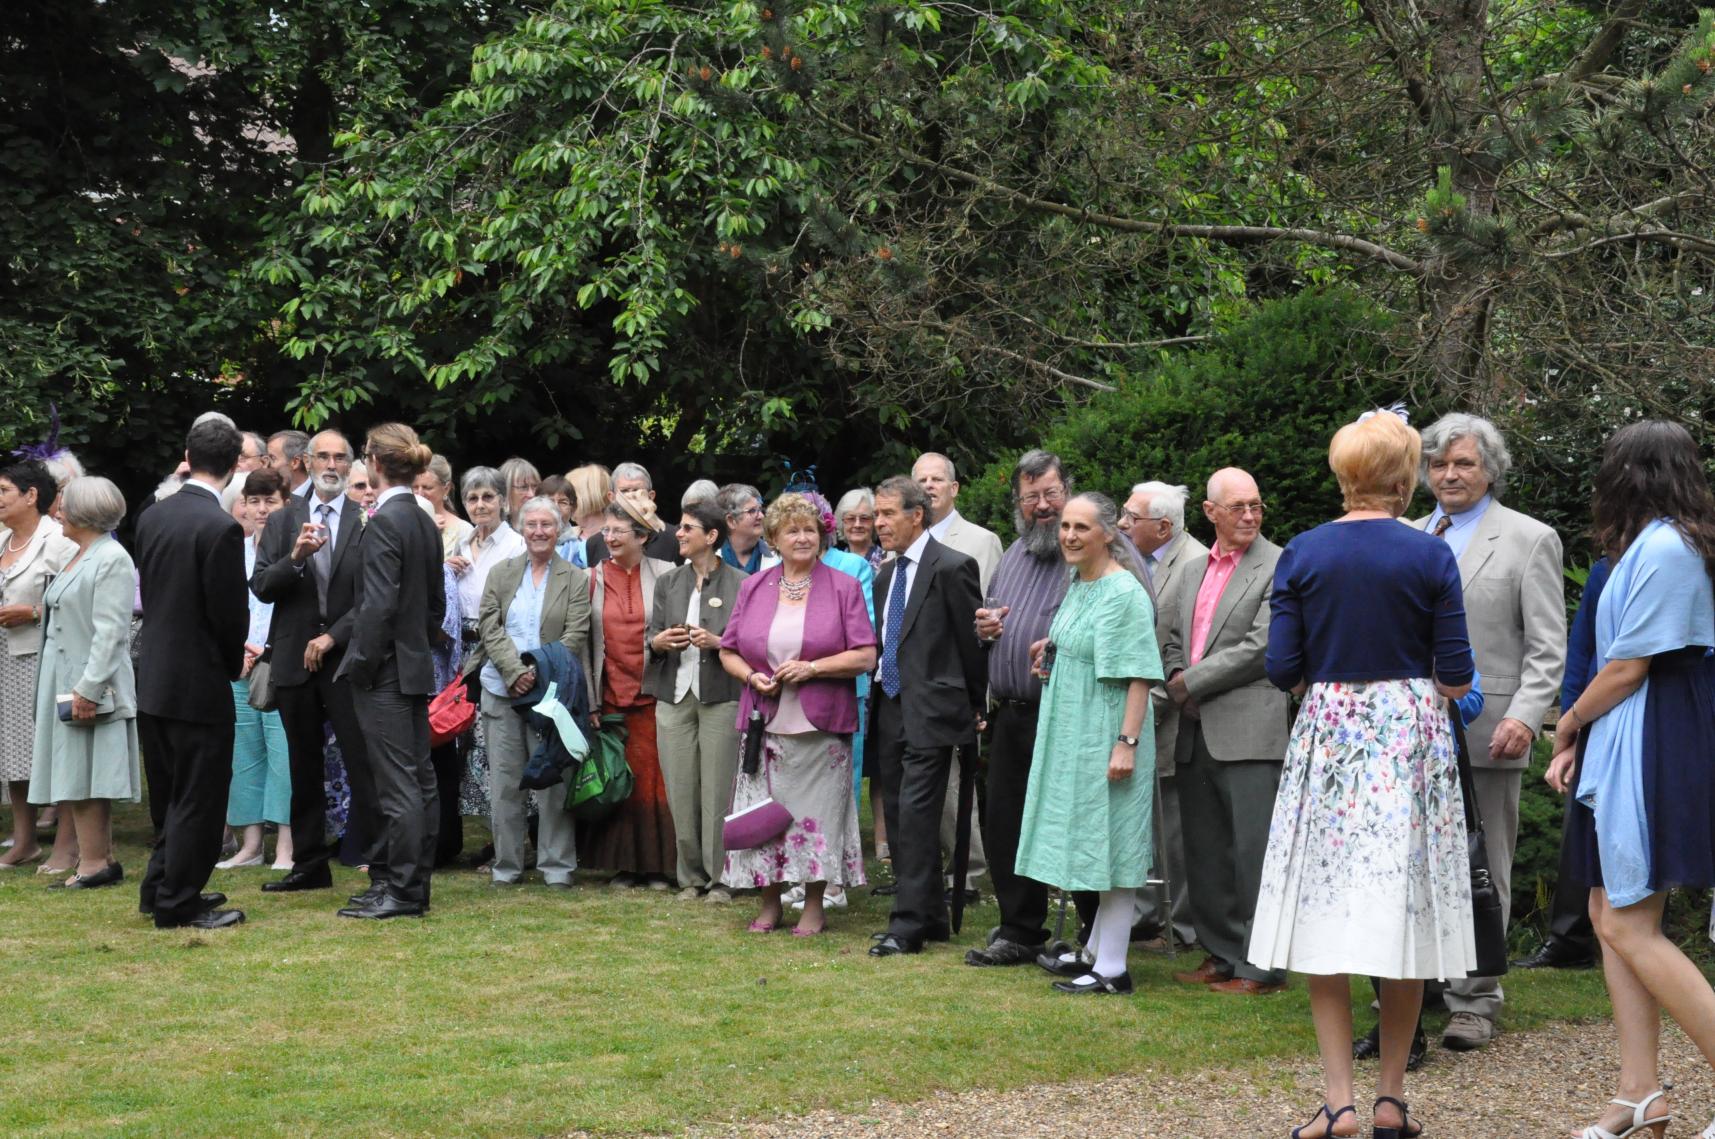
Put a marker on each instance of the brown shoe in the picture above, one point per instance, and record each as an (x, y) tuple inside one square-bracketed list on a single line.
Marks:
[(1209, 972), (1245, 987)]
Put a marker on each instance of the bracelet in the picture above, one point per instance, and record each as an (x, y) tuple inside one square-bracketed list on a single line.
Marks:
[(813, 671), (751, 675), (1577, 720)]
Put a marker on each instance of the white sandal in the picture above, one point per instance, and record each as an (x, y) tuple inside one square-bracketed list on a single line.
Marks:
[(1639, 1123)]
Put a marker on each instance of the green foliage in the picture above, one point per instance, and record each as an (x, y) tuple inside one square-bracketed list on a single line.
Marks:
[(1266, 396)]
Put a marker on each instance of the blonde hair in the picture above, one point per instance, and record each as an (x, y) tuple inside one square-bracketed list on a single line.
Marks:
[(1375, 461), (397, 453), (790, 507), (592, 488)]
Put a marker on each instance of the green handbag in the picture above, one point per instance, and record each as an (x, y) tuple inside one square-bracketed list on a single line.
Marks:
[(603, 780)]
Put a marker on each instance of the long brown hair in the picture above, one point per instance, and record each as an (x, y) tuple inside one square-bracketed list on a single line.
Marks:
[(1651, 470), (396, 452)]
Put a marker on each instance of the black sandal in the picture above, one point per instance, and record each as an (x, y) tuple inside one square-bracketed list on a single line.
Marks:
[(1405, 1130), (1333, 1116)]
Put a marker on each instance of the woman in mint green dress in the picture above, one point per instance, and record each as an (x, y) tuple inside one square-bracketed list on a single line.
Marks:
[(1089, 804)]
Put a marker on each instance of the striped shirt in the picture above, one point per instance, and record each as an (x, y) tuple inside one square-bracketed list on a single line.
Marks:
[(1033, 589)]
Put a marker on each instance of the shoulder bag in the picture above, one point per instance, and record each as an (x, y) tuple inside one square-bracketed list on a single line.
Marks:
[(1487, 918)]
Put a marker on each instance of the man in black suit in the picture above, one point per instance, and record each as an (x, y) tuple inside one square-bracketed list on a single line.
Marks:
[(927, 700), (306, 567), (400, 604), (190, 563)]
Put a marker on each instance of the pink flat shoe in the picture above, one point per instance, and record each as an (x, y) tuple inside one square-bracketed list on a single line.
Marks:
[(760, 926), (800, 931)]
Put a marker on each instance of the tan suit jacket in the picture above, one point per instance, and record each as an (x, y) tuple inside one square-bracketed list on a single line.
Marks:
[(1244, 717), (980, 545), (1515, 609), (1182, 557)]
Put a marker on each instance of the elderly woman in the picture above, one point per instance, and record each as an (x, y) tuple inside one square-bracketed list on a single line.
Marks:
[(637, 840), (522, 480), (744, 548), (798, 638), (855, 515), (529, 601), (360, 488), (34, 551), (1087, 807), (1637, 750), (90, 759), (490, 542), (435, 484), (261, 790), (696, 702), (1366, 868)]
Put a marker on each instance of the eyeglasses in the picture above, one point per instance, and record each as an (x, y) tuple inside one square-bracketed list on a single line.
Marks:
[(1132, 519), (1052, 496), (751, 510), (848, 519), (683, 526), (331, 457), (1240, 509)]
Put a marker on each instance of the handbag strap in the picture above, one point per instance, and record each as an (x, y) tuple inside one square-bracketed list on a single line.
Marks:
[(1467, 782)]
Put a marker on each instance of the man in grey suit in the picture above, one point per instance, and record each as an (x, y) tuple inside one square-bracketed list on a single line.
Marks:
[(1515, 607), (1154, 519), (934, 472), (1233, 730)]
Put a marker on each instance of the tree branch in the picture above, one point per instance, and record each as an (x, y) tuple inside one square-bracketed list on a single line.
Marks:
[(1596, 55), (950, 332)]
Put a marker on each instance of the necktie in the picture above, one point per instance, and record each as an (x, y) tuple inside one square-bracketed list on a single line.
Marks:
[(895, 625), (1442, 525), (321, 562)]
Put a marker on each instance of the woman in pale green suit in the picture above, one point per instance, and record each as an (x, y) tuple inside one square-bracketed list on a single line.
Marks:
[(86, 763)]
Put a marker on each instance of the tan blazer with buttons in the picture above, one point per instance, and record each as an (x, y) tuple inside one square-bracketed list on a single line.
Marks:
[(1182, 557)]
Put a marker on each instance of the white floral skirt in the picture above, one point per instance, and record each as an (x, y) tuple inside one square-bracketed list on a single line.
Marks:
[(1367, 870), (811, 776)]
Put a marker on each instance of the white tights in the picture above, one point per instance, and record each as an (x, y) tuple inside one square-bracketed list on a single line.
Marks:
[(1110, 932)]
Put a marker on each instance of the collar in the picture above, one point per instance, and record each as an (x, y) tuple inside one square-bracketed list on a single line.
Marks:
[(500, 532), (303, 488), (915, 552), (1465, 517), (390, 492), (940, 528), (202, 486), (1217, 554)]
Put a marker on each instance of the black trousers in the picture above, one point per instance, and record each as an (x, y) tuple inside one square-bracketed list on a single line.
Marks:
[(449, 770), (304, 710), (190, 775), (913, 786), (398, 752)]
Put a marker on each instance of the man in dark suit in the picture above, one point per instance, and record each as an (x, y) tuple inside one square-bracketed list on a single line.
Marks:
[(306, 567), (190, 563), (927, 700), (400, 604)]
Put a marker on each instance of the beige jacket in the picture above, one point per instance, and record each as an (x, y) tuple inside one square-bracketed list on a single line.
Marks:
[(980, 545), (1183, 557), (22, 582)]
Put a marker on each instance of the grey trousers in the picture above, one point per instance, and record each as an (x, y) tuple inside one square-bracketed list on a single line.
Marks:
[(1169, 855), (1497, 798), (698, 744), (949, 832), (1225, 808), (510, 741)]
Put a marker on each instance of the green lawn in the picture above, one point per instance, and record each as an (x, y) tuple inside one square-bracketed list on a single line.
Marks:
[(531, 1012)]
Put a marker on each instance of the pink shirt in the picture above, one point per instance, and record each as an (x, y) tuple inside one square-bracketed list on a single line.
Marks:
[(1215, 579)]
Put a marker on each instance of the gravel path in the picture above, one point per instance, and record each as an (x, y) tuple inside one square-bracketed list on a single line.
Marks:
[(1536, 1084)]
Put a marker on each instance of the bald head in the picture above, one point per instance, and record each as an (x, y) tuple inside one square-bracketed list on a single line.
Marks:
[(933, 472), (1234, 507)]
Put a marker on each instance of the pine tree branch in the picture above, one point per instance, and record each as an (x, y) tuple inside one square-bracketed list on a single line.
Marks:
[(1601, 49)]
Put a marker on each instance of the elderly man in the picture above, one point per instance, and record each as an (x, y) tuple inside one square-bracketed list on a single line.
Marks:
[(1515, 606), (1154, 519), (632, 478), (1233, 730), (253, 455), (288, 453)]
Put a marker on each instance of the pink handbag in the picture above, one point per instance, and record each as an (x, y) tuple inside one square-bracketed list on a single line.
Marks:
[(760, 823)]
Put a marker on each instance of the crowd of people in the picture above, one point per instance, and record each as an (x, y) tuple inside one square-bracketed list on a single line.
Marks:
[(1253, 748)]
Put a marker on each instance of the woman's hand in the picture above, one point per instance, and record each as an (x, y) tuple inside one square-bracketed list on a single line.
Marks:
[(764, 684), (460, 564), (793, 672), (524, 683), (1036, 648), (252, 654), (1122, 761), (703, 639), (1565, 731), (1559, 773), (82, 709), (672, 639), (12, 616)]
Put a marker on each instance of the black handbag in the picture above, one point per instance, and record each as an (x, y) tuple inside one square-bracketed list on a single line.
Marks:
[(1487, 917)]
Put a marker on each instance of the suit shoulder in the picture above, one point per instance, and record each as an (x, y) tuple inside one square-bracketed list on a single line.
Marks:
[(1523, 525)]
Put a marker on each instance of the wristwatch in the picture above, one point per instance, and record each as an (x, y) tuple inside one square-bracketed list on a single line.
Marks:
[(1128, 741)]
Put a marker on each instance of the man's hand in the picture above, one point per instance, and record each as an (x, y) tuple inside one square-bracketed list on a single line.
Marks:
[(310, 539), (315, 651), (991, 622), (1191, 710), (1511, 739), (1177, 690)]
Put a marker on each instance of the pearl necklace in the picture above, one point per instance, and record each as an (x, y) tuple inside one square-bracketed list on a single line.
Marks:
[(795, 590)]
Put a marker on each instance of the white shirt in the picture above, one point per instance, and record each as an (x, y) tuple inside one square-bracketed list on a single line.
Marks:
[(302, 490), (504, 543), (939, 529), (202, 486), (390, 492), (261, 612), (686, 682)]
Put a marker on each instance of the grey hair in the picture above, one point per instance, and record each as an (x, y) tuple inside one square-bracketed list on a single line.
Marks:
[(851, 500), (703, 490), (1036, 463), (952, 475), (91, 502), (359, 471), (1165, 501), (441, 469), (633, 471), (257, 441), (1491, 448), (293, 444), (1119, 546), (217, 417), (734, 495), (540, 503), (230, 494), (910, 495), (483, 478)]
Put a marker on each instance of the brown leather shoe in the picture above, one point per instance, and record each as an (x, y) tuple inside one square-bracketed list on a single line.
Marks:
[(1245, 987), (1208, 973)]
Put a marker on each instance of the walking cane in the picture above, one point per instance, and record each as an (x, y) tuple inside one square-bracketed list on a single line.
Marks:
[(966, 758)]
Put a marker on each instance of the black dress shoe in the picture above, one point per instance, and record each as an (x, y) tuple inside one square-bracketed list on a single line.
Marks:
[(211, 901), (892, 946), (208, 919), (1051, 963), (1094, 984), (369, 897), (1369, 1047), (885, 891), (1556, 954), (383, 907), (296, 880), (972, 897), (110, 875)]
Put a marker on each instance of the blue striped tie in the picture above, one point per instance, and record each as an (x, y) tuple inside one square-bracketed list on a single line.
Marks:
[(895, 625)]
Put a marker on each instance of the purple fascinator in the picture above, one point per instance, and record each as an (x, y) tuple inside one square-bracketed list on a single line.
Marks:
[(50, 447)]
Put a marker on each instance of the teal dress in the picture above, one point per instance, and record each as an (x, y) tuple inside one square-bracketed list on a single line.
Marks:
[(1082, 831)]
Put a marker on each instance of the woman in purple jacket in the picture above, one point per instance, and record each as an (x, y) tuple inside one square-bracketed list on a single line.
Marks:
[(798, 636)]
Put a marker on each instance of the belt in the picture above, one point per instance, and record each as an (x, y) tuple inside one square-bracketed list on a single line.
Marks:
[(1027, 705)]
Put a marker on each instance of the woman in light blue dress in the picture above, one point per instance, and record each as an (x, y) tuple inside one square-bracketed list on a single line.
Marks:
[(1637, 748)]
